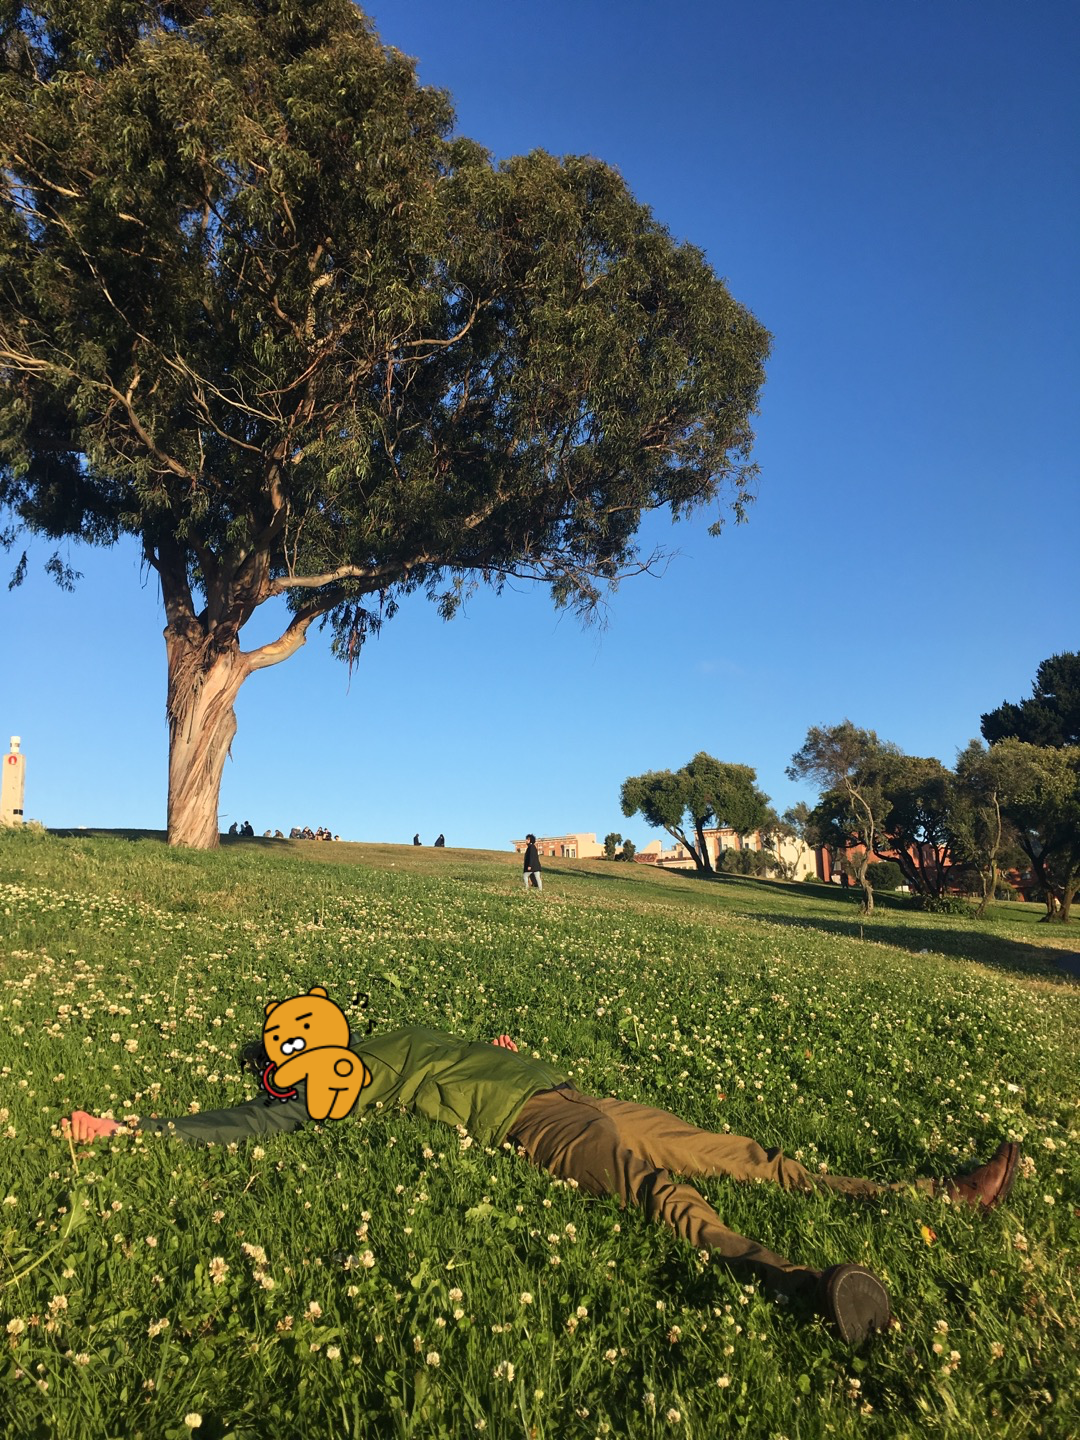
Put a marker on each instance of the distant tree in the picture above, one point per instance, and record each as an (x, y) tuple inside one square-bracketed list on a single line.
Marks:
[(612, 841), (982, 834), (263, 311), (916, 824), (628, 851), (684, 802), (747, 862), (886, 875), (787, 828), (1051, 716), (846, 762), (1040, 795)]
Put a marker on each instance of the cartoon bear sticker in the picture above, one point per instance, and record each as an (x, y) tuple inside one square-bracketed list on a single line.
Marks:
[(307, 1038)]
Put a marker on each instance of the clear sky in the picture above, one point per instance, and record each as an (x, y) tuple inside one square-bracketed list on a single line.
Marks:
[(892, 188)]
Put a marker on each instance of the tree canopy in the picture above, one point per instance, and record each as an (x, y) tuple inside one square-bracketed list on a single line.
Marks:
[(262, 309), (847, 763), (1050, 715), (705, 791)]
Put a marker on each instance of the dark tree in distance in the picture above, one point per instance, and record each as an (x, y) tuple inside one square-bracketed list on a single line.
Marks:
[(982, 834), (1050, 716), (1040, 795), (262, 310), (916, 824)]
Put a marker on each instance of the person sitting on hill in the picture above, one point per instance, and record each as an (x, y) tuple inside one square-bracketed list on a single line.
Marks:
[(604, 1146), (440, 843)]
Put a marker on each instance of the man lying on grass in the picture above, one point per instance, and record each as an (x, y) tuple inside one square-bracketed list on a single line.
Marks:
[(607, 1147)]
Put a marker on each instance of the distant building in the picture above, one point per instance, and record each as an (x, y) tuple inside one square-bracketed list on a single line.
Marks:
[(564, 847), (794, 853)]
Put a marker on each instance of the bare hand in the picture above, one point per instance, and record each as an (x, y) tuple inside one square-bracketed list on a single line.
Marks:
[(504, 1042), (84, 1127)]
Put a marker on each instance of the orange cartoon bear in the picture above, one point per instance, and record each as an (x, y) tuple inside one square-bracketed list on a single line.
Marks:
[(307, 1038)]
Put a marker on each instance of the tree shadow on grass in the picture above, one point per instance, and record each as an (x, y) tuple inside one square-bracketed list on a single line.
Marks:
[(995, 951)]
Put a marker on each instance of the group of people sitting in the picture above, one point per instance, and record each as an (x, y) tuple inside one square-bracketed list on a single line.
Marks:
[(296, 833), (440, 843)]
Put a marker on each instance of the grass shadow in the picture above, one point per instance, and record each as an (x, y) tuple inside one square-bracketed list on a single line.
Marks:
[(997, 952)]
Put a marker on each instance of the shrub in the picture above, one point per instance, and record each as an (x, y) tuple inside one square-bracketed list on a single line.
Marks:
[(945, 905), (885, 875)]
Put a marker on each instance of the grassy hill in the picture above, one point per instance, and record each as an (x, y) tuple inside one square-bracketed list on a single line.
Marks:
[(397, 1258)]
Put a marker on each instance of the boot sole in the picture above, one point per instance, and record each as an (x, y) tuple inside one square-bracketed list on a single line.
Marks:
[(856, 1302)]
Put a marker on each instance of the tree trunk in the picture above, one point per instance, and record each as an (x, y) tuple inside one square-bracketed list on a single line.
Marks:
[(204, 681), (988, 878), (705, 864), (862, 876)]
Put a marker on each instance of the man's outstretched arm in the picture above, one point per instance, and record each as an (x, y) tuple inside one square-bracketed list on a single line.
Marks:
[(220, 1127)]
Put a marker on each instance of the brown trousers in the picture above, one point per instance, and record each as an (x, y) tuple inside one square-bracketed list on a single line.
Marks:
[(614, 1147)]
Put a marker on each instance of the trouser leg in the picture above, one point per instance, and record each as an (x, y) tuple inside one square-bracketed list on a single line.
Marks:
[(667, 1141), (578, 1138)]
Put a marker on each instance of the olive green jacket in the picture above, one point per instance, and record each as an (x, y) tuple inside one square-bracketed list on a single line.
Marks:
[(457, 1082)]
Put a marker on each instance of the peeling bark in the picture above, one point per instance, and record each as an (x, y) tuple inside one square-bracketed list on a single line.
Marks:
[(204, 680)]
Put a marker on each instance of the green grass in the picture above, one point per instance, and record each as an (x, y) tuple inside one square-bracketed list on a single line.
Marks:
[(130, 977)]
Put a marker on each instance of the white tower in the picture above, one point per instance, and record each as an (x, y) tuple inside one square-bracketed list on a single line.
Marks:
[(12, 785)]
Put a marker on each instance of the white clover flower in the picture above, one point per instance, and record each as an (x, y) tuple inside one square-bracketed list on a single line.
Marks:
[(432, 1358), (193, 1419)]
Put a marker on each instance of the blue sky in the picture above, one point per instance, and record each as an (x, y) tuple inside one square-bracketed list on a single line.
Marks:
[(893, 189)]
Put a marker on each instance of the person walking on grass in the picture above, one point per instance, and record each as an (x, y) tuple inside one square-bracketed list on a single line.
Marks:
[(604, 1146), (532, 873)]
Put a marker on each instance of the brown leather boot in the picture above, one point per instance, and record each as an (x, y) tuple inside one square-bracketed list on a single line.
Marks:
[(989, 1184)]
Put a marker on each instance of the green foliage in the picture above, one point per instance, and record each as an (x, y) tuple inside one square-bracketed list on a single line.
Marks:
[(847, 763), (612, 841), (1040, 795), (736, 1004), (1050, 716), (747, 862), (262, 309), (629, 850), (886, 875), (704, 792), (945, 905)]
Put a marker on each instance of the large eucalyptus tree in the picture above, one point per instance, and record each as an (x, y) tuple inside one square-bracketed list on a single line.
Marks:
[(261, 308)]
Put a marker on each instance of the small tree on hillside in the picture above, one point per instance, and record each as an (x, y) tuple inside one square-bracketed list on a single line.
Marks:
[(628, 851), (684, 802), (916, 830), (982, 832), (1040, 795), (612, 841), (262, 310), (846, 762)]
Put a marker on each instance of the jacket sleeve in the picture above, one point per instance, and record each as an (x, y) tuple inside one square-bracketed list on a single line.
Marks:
[(238, 1122)]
